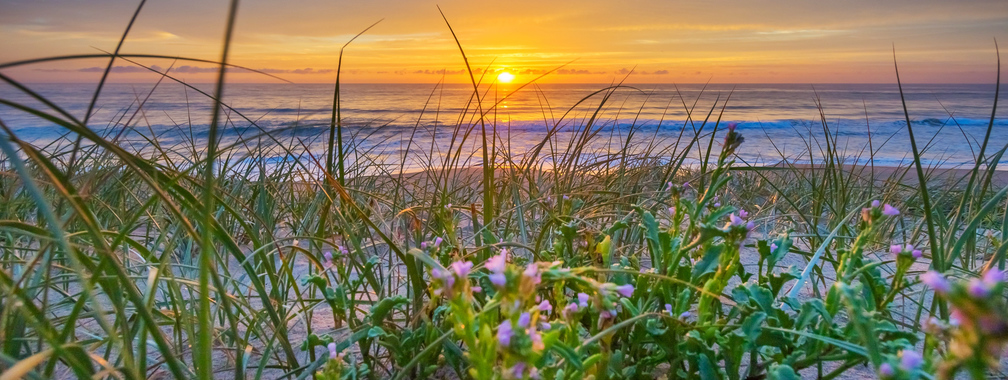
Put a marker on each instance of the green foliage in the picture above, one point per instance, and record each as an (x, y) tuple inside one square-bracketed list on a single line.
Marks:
[(612, 264)]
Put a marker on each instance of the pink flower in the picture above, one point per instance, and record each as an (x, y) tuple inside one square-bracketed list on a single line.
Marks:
[(895, 249), (875, 203), (328, 256), (743, 214), (936, 281), (888, 210), (532, 272), (462, 268), (734, 220), (423, 245), (625, 290), (477, 289), (916, 254), (437, 242), (750, 225), (497, 263), (569, 310), (504, 333), (605, 315)]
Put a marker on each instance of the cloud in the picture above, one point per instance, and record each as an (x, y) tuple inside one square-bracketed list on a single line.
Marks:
[(307, 70), (118, 69), (445, 72), (661, 72), (574, 72)]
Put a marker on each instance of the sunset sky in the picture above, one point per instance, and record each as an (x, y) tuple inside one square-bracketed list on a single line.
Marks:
[(662, 40)]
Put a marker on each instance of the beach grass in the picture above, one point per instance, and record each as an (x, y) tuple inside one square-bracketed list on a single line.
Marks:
[(216, 261)]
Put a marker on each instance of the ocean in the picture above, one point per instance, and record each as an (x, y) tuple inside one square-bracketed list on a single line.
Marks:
[(416, 124)]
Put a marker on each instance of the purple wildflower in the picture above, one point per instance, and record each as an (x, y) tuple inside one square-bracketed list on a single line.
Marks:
[(524, 319), (750, 225), (910, 360), (992, 277), (895, 249), (342, 250), (582, 300), (916, 254), (886, 370), (888, 210), (743, 214), (773, 247), (497, 263), (875, 203), (977, 288), (671, 210), (545, 326), (477, 289), (462, 268), (504, 333), (734, 220), (423, 245), (328, 256), (668, 308), (936, 281), (333, 354), (444, 276), (437, 242), (518, 370), (606, 314), (545, 306), (625, 290), (668, 186), (569, 310), (684, 315), (498, 279)]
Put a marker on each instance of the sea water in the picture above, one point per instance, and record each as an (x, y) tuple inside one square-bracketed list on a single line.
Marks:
[(419, 125)]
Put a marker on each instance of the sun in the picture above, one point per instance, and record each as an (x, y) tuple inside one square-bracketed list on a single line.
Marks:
[(505, 77)]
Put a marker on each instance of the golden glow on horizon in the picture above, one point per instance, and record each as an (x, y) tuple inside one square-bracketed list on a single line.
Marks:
[(655, 41), (505, 77)]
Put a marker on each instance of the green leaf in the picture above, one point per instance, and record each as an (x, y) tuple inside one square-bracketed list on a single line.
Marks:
[(782, 372), (384, 307)]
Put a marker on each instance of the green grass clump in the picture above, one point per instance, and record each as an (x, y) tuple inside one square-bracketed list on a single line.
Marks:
[(563, 262)]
